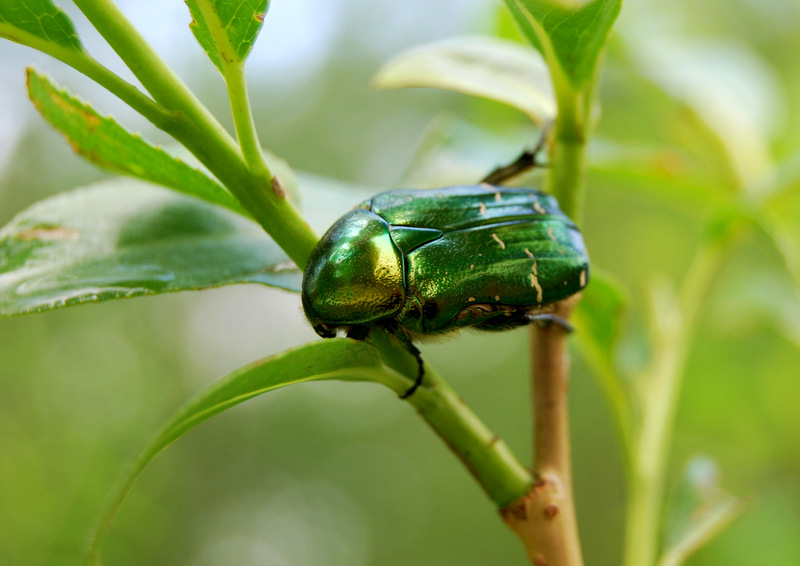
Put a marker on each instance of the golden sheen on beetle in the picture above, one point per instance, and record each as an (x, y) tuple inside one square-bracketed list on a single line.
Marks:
[(427, 262)]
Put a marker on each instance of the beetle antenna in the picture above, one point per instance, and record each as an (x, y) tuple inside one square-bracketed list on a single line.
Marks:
[(414, 351), (523, 163)]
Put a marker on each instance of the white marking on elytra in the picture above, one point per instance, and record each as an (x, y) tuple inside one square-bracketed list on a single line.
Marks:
[(498, 197), (472, 266), (535, 284), (535, 266), (583, 278), (486, 187), (497, 298), (471, 300), (483, 208), (499, 241), (538, 208), (550, 233)]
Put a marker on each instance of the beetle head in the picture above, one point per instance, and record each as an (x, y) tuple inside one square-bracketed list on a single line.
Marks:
[(354, 276)]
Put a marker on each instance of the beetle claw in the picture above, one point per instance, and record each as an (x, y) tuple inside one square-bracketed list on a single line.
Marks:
[(546, 319), (414, 351)]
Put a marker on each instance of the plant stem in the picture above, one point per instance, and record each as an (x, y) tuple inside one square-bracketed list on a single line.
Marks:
[(485, 455), (82, 62), (674, 333), (154, 74), (244, 123), (198, 131), (545, 518), (232, 69)]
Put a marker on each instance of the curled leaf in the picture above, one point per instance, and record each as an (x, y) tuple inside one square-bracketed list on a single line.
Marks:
[(500, 70)]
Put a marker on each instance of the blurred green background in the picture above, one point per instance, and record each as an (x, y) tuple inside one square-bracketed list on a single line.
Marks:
[(697, 98)]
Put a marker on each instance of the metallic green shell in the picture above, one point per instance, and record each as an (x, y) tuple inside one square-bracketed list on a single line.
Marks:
[(471, 256), (354, 276)]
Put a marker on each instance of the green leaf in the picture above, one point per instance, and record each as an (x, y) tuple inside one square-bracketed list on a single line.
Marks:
[(598, 320), (570, 38), (726, 85), (227, 29), (600, 313), (33, 22), (125, 238), (342, 359), (491, 68), (700, 509), (785, 238), (104, 142)]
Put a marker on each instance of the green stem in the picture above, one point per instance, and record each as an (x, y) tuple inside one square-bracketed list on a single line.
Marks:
[(567, 174), (618, 400), (484, 454), (82, 62), (198, 131), (675, 331), (154, 74), (232, 69), (567, 163), (244, 123)]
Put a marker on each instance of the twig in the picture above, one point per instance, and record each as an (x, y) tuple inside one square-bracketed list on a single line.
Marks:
[(545, 518)]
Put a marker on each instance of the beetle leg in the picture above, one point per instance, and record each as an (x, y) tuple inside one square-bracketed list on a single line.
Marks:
[(546, 319), (523, 163), (358, 332), (414, 351)]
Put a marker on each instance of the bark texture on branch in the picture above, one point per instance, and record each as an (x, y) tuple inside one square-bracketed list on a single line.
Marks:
[(544, 519)]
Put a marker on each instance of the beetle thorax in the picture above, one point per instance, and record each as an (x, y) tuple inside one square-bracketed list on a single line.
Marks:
[(355, 275)]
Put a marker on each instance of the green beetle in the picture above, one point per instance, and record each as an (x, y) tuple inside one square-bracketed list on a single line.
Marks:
[(425, 262)]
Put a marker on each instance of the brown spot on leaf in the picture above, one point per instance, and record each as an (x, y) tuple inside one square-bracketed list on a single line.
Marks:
[(48, 234), (277, 188), (284, 266)]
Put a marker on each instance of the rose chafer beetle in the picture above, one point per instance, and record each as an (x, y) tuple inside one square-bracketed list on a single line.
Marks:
[(425, 262)]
